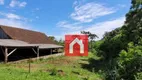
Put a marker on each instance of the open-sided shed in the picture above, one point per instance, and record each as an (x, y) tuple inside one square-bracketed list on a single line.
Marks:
[(15, 38), (7, 44)]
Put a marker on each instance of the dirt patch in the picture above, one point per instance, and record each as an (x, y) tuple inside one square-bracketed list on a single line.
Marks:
[(26, 67)]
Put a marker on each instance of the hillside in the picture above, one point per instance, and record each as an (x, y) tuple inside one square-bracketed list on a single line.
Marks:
[(54, 68)]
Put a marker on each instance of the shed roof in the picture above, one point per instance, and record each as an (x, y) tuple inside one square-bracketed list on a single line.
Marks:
[(48, 46), (18, 44), (15, 43), (29, 36)]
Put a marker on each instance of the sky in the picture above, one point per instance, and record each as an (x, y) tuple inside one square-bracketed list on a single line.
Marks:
[(61, 17)]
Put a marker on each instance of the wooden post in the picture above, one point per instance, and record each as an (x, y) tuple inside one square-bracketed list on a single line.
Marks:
[(51, 50), (5, 55), (37, 52)]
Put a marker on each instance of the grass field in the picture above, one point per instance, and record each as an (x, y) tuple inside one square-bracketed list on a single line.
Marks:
[(53, 68)]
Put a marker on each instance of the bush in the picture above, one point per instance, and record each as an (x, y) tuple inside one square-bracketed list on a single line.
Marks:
[(130, 61), (138, 76), (128, 66), (54, 71)]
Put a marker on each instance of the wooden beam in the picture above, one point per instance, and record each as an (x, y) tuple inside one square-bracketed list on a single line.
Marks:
[(11, 52), (5, 54), (34, 50)]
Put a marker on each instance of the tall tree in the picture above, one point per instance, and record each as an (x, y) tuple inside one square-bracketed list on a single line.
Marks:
[(91, 37), (124, 46)]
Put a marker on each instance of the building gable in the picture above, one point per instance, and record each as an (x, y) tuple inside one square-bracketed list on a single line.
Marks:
[(29, 36)]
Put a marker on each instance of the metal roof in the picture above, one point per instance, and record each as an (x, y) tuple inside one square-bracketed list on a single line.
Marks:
[(18, 43), (48, 46), (15, 43)]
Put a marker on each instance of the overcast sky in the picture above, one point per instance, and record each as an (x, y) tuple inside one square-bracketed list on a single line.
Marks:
[(61, 17)]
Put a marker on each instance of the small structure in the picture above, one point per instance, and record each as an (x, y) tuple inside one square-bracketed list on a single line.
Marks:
[(12, 39)]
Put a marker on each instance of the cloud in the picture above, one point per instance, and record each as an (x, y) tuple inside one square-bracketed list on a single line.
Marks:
[(22, 4), (99, 28), (68, 26), (122, 5), (90, 11), (14, 20), (37, 9), (75, 3), (82, 19), (15, 3), (78, 2), (1, 2), (106, 26), (14, 23), (11, 16)]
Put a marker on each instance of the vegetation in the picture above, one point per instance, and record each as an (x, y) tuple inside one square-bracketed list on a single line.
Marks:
[(60, 42), (91, 37), (54, 68), (121, 49)]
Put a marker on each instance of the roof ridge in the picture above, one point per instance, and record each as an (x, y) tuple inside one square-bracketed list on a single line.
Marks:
[(20, 28)]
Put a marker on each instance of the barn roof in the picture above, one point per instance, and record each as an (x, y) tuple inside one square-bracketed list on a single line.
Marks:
[(32, 37), (15, 43), (48, 46), (19, 44)]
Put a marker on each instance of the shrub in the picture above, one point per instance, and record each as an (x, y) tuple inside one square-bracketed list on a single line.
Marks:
[(54, 71), (130, 61), (138, 76)]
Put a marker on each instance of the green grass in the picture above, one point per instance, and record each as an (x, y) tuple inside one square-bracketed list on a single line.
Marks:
[(57, 68)]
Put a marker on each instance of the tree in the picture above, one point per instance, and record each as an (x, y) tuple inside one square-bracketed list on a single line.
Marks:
[(91, 36), (131, 31), (61, 42), (53, 38), (111, 34), (124, 46)]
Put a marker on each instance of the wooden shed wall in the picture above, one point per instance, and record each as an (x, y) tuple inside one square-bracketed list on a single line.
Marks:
[(3, 35)]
